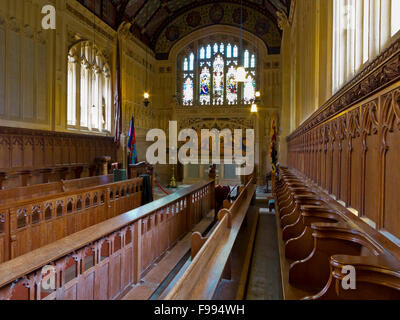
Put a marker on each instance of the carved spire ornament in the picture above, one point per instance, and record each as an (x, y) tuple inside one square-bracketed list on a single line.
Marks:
[(283, 21)]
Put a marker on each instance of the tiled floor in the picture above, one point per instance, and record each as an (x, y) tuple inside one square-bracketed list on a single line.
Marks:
[(265, 275)]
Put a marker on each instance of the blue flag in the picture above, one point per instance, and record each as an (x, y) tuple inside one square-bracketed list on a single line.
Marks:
[(132, 143)]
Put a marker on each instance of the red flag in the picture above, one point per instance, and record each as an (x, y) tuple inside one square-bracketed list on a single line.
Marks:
[(117, 100)]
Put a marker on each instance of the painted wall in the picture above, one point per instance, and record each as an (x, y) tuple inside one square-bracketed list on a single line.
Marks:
[(306, 63), (33, 74), (33, 64)]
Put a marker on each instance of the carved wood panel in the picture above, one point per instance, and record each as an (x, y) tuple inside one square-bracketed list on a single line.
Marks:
[(358, 148), (25, 151), (390, 135)]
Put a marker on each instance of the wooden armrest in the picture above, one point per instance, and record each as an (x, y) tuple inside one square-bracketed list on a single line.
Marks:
[(380, 263)]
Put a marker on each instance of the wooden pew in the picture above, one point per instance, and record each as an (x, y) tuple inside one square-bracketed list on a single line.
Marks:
[(23, 177), (102, 261), (32, 222), (76, 184), (211, 256), (324, 240), (16, 194)]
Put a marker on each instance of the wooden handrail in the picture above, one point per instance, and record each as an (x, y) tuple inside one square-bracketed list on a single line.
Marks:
[(32, 261), (52, 196), (201, 279)]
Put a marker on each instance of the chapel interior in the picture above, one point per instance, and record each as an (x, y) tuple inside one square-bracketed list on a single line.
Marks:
[(307, 90)]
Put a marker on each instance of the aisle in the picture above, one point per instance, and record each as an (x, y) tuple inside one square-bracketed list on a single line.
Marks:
[(265, 275)]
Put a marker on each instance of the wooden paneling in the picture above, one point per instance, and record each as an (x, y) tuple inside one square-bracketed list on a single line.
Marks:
[(39, 219), (358, 143), (30, 151)]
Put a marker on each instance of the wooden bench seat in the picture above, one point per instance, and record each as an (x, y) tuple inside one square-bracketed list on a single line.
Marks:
[(76, 184), (211, 256), (317, 235)]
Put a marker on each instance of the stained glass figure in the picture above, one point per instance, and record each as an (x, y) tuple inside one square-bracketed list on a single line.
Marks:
[(218, 85), (185, 65), (205, 83), (231, 86), (188, 92), (249, 90)]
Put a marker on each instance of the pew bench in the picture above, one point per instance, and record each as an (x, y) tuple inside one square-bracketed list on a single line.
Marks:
[(28, 223), (103, 261), (211, 255), (319, 239), (22, 177)]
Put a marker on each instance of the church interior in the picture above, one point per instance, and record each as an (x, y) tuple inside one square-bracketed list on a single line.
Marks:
[(107, 192)]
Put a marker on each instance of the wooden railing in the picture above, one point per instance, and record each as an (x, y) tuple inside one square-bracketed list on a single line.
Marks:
[(102, 261), (136, 170), (211, 255), (31, 222)]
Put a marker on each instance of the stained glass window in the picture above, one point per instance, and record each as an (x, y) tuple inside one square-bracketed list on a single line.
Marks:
[(205, 84), (229, 51), (185, 65), (208, 51), (235, 52), (218, 85), (216, 48), (202, 53), (249, 91), (191, 62), (246, 58), (231, 86), (188, 92), (208, 77), (253, 61)]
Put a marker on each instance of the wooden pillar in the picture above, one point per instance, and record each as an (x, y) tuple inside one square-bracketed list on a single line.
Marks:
[(137, 251), (3, 178)]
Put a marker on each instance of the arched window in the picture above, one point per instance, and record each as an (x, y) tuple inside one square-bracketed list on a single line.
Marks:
[(208, 77), (361, 30), (89, 89)]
